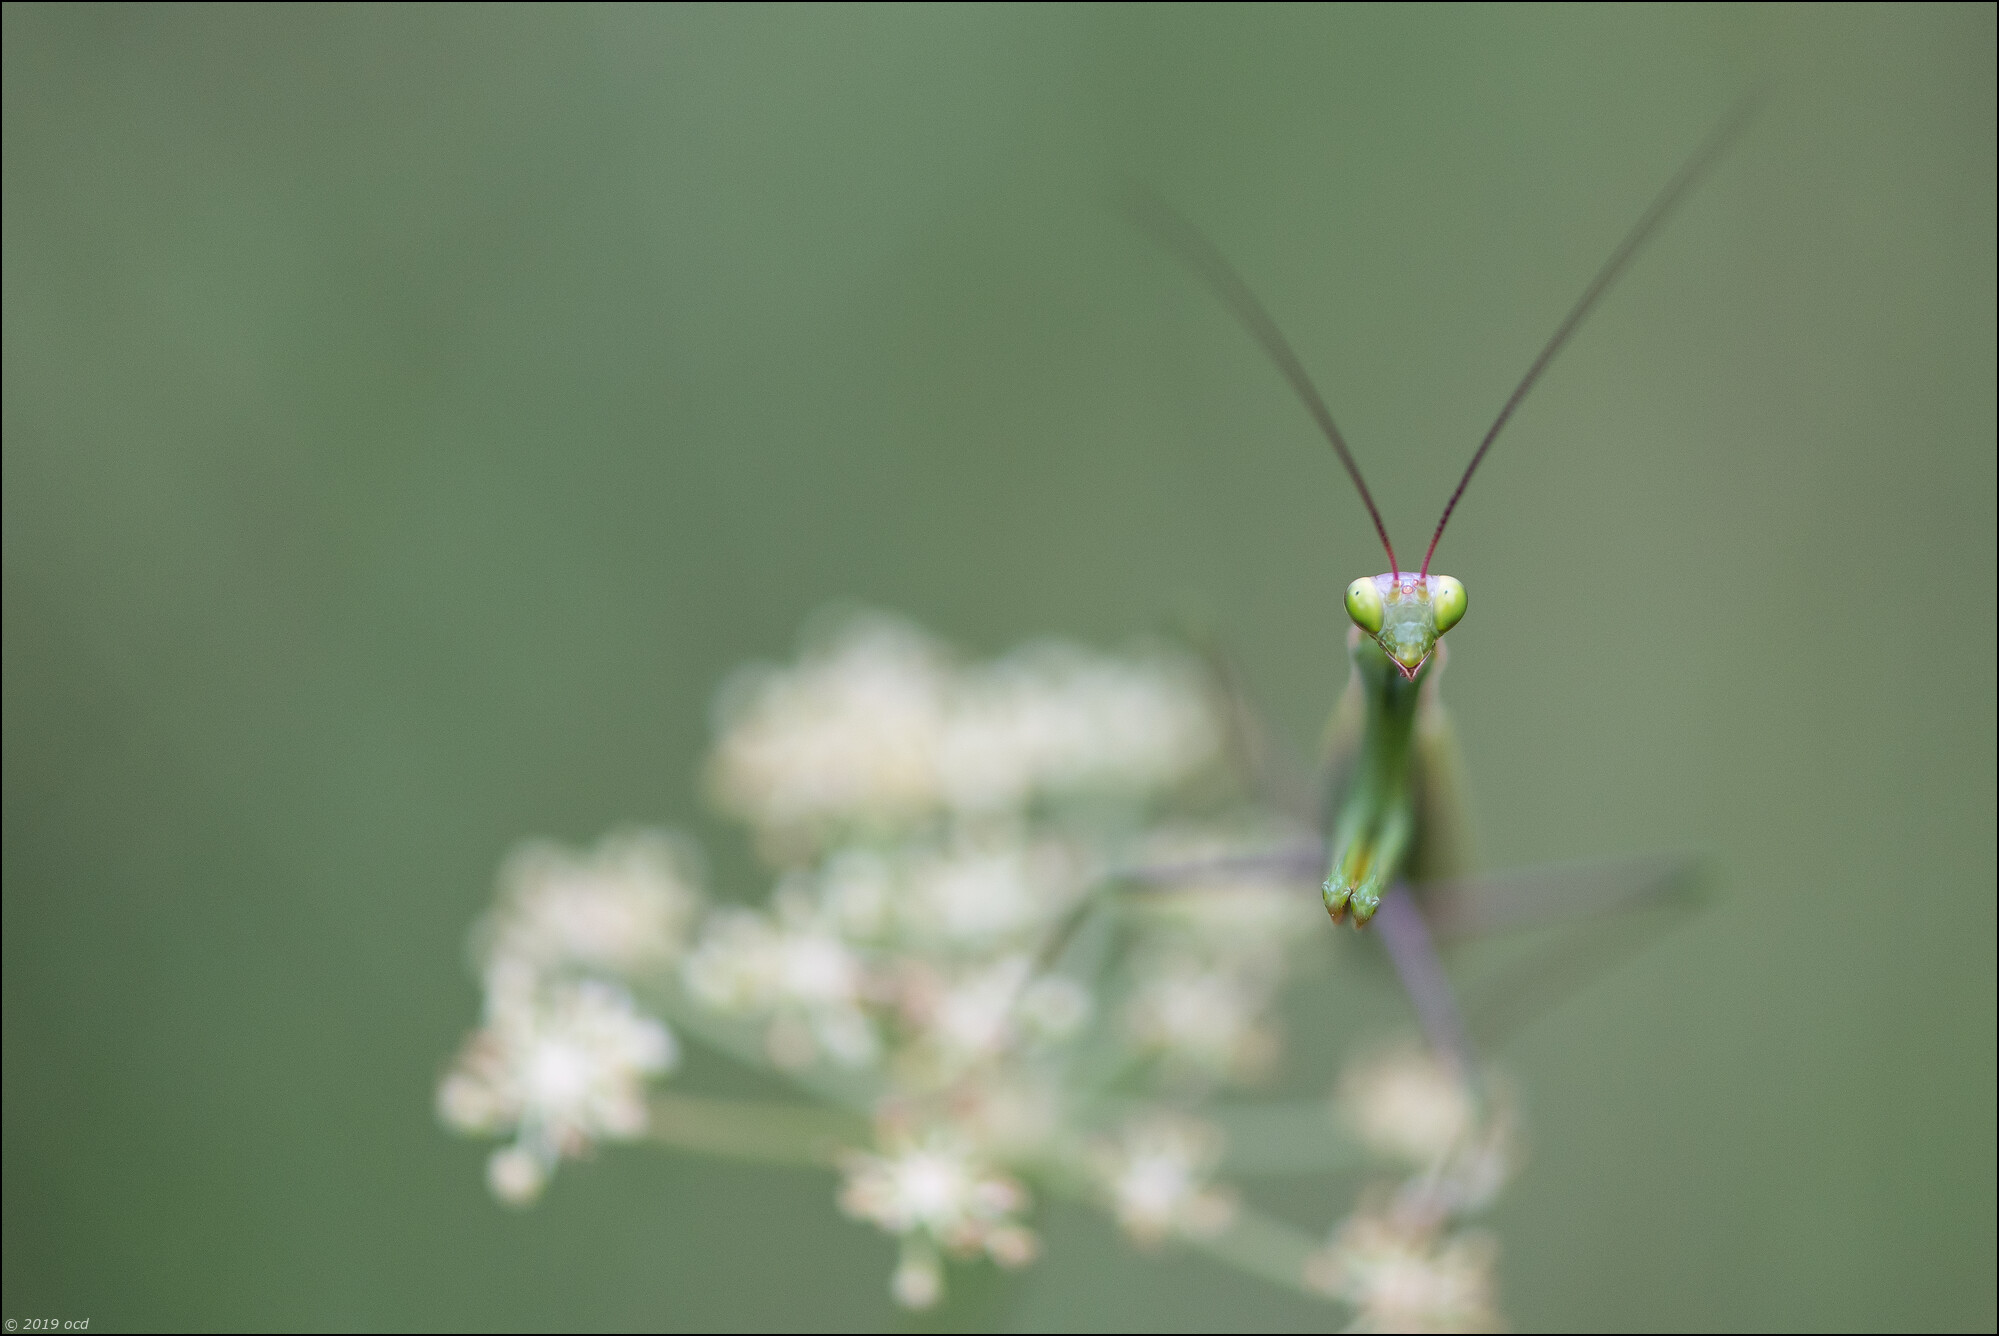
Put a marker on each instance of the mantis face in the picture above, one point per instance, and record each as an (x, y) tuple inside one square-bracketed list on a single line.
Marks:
[(1406, 614)]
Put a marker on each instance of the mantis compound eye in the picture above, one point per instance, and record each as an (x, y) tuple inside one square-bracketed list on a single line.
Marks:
[(1447, 600), (1364, 605)]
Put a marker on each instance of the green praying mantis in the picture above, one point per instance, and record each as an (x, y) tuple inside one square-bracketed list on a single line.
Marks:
[(1393, 809)]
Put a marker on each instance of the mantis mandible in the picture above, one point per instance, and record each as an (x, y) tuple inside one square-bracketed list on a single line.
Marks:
[(1393, 799)]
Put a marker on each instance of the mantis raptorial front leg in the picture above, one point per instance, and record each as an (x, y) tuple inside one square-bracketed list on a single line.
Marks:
[(1373, 816)]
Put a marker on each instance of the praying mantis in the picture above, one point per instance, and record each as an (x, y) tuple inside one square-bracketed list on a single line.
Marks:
[(1393, 807)]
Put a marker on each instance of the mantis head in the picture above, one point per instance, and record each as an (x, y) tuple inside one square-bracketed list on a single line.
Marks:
[(1406, 614)]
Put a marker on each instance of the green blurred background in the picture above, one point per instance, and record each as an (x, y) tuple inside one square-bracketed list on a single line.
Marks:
[(411, 414)]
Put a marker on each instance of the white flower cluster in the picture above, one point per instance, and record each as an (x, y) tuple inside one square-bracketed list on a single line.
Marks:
[(559, 1066), (790, 968), (956, 950), (1206, 978), (1406, 1260), (1460, 1142), (564, 1054), (1402, 1276), (880, 727), (937, 1192), (1157, 1177)]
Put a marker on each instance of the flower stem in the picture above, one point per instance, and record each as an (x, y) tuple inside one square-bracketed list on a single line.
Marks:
[(764, 1131)]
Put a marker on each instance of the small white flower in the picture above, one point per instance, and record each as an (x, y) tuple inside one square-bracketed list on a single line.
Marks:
[(973, 1016), (1408, 1105), (559, 1066), (918, 1281), (791, 969), (1157, 1178), (1208, 1021), (849, 735), (1053, 717), (1403, 1278), (983, 891), (935, 1189), (979, 1016), (622, 906), (516, 1175), (978, 896)]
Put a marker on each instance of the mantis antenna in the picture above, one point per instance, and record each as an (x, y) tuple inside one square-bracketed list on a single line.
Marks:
[(1690, 172), (1185, 240)]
